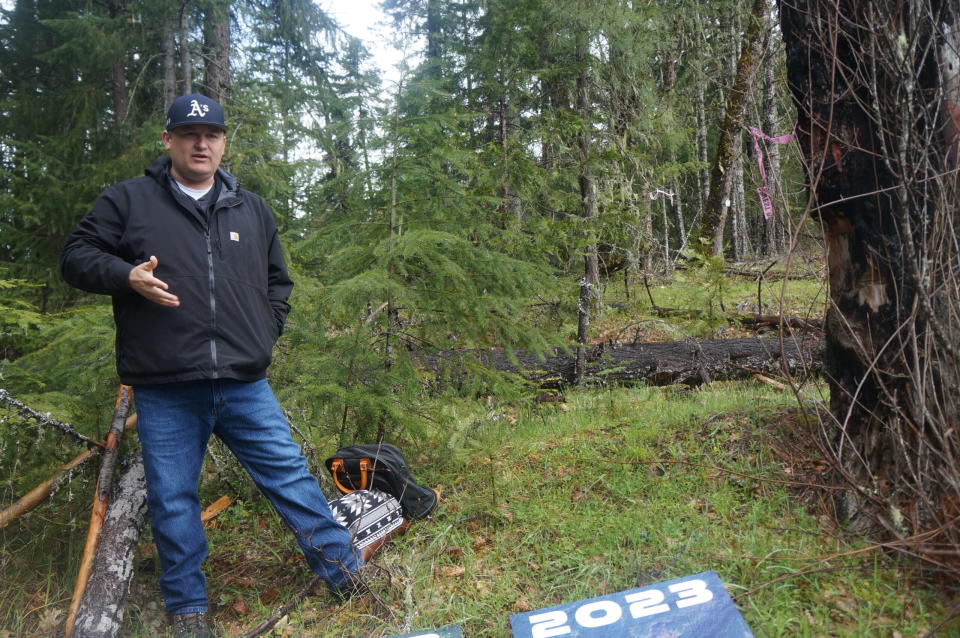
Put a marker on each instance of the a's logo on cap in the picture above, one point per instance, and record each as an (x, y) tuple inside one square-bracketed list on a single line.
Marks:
[(197, 109)]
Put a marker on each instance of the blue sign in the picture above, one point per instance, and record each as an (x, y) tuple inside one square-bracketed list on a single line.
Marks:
[(450, 631), (695, 606)]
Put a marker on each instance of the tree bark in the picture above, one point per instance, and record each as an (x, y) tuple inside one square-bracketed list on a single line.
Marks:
[(589, 285), (703, 174), (774, 228), (875, 84), (711, 224), (217, 49), (101, 609), (741, 230), (169, 62), (119, 70), (186, 59)]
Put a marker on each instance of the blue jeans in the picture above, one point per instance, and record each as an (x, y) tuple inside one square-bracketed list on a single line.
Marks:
[(175, 421)]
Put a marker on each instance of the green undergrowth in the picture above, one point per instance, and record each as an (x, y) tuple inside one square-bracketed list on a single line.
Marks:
[(546, 503), (703, 301)]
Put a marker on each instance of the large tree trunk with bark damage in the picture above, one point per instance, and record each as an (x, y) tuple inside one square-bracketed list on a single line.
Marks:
[(101, 609), (876, 87)]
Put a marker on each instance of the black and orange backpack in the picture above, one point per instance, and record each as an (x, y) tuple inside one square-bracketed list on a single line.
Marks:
[(382, 467)]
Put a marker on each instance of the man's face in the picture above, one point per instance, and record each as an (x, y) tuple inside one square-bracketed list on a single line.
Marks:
[(195, 152)]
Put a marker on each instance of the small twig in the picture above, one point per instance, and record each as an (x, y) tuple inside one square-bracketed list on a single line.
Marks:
[(287, 607), (306, 442), (653, 304), (954, 613), (770, 382), (373, 315)]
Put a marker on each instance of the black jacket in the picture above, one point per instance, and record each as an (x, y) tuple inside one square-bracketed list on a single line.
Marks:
[(228, 273)]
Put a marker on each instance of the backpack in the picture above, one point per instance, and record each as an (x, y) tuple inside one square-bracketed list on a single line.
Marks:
[(381, 467)]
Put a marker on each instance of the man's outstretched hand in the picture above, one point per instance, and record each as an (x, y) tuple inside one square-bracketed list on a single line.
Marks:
[(143, 281)]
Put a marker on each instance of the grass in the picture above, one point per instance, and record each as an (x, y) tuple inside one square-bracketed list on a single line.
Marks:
[(552, 503)]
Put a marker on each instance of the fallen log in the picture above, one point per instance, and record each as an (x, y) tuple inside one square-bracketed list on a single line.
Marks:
[(101, 500), (687, 362), (100, 613)]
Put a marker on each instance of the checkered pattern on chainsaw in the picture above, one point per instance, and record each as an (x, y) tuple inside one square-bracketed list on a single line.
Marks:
[(368, 514)]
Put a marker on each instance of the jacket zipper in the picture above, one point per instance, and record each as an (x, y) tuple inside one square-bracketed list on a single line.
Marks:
[(213, 304)]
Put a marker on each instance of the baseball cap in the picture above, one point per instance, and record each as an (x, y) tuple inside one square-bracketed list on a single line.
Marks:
[(195, 108)]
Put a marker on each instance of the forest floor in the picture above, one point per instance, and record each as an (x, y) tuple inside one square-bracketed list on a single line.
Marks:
[(610, 490), (605, 489)]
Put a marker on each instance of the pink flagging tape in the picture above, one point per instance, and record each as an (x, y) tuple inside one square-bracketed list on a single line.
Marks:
[(764, 191)]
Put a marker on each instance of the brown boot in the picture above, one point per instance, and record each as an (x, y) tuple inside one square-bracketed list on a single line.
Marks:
[(191, 625)]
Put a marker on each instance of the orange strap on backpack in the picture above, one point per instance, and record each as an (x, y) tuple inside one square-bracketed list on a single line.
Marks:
[(366, 465)]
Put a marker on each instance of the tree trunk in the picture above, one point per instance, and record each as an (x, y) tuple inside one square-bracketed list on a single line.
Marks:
[(711, 224), (217, 49), (876, 89), (741, 229), (664, 215), (119, 71), (774, 228), (677, 203), (703, 174), (169, 62), (508, 211), (589, 284), (186, 59), (101, 609)]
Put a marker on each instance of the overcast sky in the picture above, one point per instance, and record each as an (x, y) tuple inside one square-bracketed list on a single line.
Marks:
[(363, 19)]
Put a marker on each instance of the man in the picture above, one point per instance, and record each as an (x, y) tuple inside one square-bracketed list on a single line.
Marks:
[(200, 290)]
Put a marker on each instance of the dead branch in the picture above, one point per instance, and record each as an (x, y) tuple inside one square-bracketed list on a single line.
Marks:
[(44, 419), (770, 382), (213, 510), (37, 495)]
